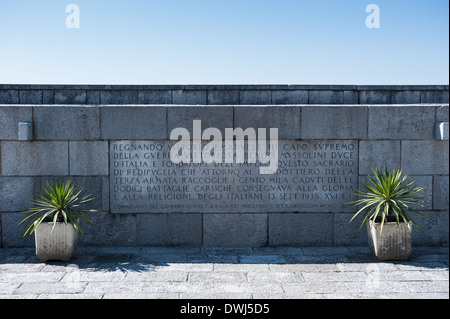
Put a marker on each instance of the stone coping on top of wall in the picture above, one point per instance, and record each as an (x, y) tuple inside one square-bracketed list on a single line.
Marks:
[(222, 94)]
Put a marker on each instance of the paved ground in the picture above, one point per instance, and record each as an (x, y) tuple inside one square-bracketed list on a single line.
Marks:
[(241, 273)]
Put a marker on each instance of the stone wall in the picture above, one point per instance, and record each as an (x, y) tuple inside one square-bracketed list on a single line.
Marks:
[(75, 127)]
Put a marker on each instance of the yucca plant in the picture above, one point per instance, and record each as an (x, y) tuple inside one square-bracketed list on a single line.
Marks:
[(387, 196), (59, 202)]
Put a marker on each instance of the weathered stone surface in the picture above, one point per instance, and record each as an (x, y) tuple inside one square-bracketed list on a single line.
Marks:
[(31, 96), (223, 97), (440, 193), (334, 122), (88, 158), (285, 118), (12, 231), (252, 97), (345, 232), (169, 230), (326, 97), (70, 97), (155, 97), (378, 154), (133, 122), (374, 97), (16, 192), (405, 97), (401, 122), (66, 123), (235, 230), (109, 230), (425, 157), (312, 229), (220, 117), (118, 97), (34, 158), (9, 97), (437, 96), (289, 97), (10, 116), (189, 97)]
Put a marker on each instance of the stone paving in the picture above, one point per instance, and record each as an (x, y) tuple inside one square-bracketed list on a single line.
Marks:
[(223, 273)]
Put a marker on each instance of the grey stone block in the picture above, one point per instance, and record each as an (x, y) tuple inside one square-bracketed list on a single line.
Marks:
[(285, 118), (133, 122), (118, 97), (70, 97), (48, 96), (189, 97), (351, 97), (425, 157), (346, 232), (16, 192), (290, 97), (34, 158), (109, 230), (234, 230), (155, 97), (374, 97), (308, 229), (88, 158), (378, 154), (442, 113), (66, 123), (12, 231), (434, 229), (438, 96), (425, 182), (223, 97), (220, 117), (334, 122), (255, 97), (10, 117), (169, 230), (326, 97), (9, 97), (401, 122), (92, 97), (31, 96), (440, 193), (405, 97)]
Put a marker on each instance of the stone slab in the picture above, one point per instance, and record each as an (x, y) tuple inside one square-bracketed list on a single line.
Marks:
[(401, 122), (312, 176), (425, 157), (285, 118), (66, 123), (34, 158), (88, 157), (334, 122), (16, 192), (133, 122)]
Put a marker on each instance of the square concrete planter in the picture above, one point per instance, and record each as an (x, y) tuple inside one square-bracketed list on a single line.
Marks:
[(394, 243), (57, 245)]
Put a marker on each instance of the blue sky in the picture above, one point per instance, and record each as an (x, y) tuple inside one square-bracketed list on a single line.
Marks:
[(224, 42)]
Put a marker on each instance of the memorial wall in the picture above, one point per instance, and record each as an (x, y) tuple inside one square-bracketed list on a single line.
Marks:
[(225, 166)]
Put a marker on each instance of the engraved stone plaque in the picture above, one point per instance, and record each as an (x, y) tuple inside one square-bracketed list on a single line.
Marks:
[(312, 176)]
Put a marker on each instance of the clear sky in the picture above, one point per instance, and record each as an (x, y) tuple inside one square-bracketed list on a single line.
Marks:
[(224, 42)]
